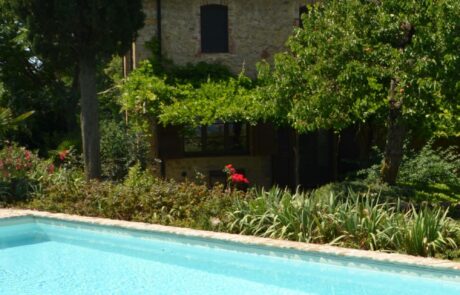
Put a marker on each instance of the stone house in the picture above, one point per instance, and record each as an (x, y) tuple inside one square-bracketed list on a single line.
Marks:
[(237, 34)]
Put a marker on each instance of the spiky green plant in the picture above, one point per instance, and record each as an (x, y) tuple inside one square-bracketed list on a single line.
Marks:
[(426, 232), (358, 221)]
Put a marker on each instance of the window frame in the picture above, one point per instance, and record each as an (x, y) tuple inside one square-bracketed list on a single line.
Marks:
[(205, 152), (205, 46)]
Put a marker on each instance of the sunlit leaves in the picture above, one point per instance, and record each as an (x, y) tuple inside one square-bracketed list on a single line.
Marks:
[(339, 66), (178, 102)]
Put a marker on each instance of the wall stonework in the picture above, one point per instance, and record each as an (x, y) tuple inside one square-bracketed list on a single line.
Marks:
[(148, 32), (257, 30)]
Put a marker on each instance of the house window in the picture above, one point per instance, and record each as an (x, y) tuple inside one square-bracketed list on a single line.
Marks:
[(214, 28), (217, 139), (302, 10)]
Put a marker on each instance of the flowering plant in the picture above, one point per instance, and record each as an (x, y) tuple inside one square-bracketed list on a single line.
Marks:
[(63, 154), (235, 179), (21, 171), (15, 162)]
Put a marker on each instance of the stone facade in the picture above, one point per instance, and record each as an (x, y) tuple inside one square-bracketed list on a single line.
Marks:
[(257, 30)]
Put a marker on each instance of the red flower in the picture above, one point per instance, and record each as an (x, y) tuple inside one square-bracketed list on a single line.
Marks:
[(229, 169), (63, 154), (27, 155), (51, 169), (239, 178)]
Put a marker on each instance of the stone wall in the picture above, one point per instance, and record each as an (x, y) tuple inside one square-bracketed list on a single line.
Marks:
[(257, 30), (148, 32)]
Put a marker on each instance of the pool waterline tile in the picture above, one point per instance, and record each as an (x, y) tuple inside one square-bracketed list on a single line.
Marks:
[(315, 249)]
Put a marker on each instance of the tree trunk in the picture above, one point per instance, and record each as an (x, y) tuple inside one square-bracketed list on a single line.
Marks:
[(395, 139), (71, 107), (153, 161), (89, 117)]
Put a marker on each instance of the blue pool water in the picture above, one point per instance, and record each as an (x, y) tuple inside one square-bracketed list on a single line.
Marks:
[(45, 256)]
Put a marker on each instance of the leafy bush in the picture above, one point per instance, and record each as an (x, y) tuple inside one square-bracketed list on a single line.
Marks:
[(20, 172), (121, 148), (351, 221), (140, 197), (431, 174), (431, 166)]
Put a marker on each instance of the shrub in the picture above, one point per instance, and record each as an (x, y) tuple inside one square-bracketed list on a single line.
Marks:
[(431, 166), (426, 232), (20, 172), (121, 148), (431, 174), (140, 197)]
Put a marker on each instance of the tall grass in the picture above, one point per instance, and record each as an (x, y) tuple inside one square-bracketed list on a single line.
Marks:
[(359, 221)]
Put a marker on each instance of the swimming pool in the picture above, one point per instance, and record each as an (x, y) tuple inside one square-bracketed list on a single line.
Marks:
[(50, 256)]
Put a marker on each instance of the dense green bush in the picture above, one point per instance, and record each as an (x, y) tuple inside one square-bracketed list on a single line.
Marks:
[(431, 166), (429, 174), (121, 148), (352, 221), (141, 197), (20, 172)]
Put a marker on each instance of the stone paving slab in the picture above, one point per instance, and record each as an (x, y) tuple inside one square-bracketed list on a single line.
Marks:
[(248, 240)]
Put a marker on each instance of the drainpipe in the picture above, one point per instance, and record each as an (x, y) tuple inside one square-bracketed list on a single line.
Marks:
[(159, 29), (160, 161)]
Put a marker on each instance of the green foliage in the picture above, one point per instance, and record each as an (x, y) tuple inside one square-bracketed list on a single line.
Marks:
[(141, 197), (31, 82), (143, 94), (20, 173), (79, 33), (227, 101), (8, 122), (427, 232), (109, 78), (339, 66), (121, 148), (430, 166), (193, 95), (429, 174), (61, 31), (360, 221), (196, 74)]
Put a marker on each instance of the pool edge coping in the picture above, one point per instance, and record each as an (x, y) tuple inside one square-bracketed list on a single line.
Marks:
[(318, 249)]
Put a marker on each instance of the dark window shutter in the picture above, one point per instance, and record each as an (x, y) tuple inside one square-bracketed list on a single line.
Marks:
[(214, 28), (302, 10)]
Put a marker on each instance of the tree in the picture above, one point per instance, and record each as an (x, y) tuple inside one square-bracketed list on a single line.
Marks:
[(83, 31), (357, 60), (31, 82)]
